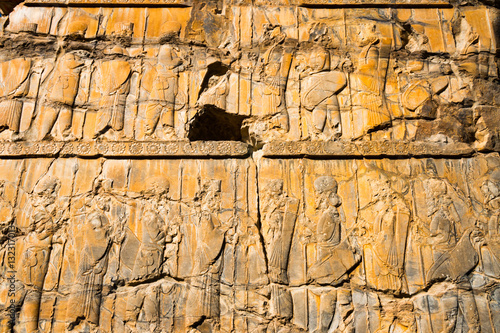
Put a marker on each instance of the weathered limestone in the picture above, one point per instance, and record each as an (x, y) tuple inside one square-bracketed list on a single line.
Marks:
[(250, 166)]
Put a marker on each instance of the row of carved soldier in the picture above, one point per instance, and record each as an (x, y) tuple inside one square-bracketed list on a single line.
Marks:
[(96, 242), (379, 92)]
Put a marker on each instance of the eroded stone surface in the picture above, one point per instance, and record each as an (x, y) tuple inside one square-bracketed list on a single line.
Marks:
[(300, 73), (249, 166)]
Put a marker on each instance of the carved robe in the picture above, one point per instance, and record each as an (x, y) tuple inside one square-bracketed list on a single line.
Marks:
[(85, 299), (277, 61), (164, 97), (328, 232), (150, 254), (319, 98), (386, 254), (14, 83), (278, 237), (334, 258), (369, 109), (203, 296), (444, 233), (38, 245), (62, 91), (63, 86), (34, 265), (114, 83)]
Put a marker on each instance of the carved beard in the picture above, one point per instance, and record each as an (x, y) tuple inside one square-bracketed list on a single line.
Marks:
[(322, 203)]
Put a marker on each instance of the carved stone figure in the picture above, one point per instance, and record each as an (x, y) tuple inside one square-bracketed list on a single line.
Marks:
[(278, 225), (113, 82), (14, 85), (368, 99), (329, 224), (489, 220), (384, 255), (328, 267), (203, 295), (250, 166), (277, 230), (274, 66), (45, 219), (216, 93), (319, 87), (62, 91), (94, 243), (165, 96), (150, 255), (143, 309)]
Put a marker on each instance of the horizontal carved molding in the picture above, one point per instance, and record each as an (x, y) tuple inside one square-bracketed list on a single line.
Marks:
[(233, 149), (125, 149), (315, 3), (365, 149)]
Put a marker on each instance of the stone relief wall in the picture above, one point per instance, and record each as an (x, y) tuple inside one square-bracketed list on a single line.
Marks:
[(250, 166), (261, 73)]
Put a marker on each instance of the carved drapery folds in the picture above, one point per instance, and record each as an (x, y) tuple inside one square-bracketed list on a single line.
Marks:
[(249, 166), (307, 73), (323, 249)]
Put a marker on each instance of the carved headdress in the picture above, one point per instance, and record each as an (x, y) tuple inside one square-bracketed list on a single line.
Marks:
[(325, 184)]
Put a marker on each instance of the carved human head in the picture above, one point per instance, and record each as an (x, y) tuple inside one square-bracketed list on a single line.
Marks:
[(156, 186), (319, 59), (275, 187), (325, 184), (381, 188), (102, 185), (436, 194), (210, 194), (367, 35), (46, 190), (170, 30), (326, 188)]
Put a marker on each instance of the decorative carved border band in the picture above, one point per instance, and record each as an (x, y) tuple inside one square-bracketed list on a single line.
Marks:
[(365, 149), (349, 3), (125, 149), (112, 2)]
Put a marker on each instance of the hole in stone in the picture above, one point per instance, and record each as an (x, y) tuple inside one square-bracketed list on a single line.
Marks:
[(216, 69), (214, 124)]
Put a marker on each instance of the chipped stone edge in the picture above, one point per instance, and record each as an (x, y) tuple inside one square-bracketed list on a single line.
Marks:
[(124, 149), (365, 149)]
